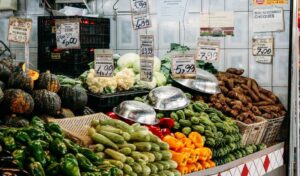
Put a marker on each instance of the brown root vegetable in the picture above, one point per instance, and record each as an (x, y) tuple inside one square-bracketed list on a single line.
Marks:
[(256, 111), (224, 90), (267, 116), (221, 83), (235, 71), (249, 83), (269, 108), (269, 94), (234, 112), (229, 84), (261, 103), (254, 87), (251, 93), (239, 96), (264, 97)]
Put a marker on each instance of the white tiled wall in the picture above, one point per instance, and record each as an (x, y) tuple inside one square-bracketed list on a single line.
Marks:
[(235, 51)]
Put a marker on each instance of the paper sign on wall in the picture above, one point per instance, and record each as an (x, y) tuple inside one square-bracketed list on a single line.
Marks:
[(263, 46), (146, 69), (183, 66), (171, 10), (216, 24), (139, 6), (141, 21), (104, 63), (268, 20), (19, 30), (263, 59), (147, 46), (67, 34), (269, 2), (208, 50)]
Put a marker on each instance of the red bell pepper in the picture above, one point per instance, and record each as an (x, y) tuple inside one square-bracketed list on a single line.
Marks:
[(166, 131), (155, 130), (166, 123), (112, 115)]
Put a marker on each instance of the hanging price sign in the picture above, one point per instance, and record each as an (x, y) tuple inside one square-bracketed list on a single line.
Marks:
[(139, 6), (141, 21), (146, 69), (67, 34), (104, 63), (263, 46), (19, 30), (208, 50), (147, 46), (183, 66)]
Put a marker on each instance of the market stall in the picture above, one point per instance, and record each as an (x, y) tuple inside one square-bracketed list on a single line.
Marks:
[(144, 91)]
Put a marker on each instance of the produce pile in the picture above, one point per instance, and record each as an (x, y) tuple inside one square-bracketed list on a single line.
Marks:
[(43, 150), (189, 152), (132, 148), (243, 99)]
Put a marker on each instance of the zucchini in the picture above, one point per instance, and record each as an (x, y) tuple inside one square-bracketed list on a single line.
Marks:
[(103, 140), (113, 136), (131, 146), (151, 157), (166, 154), (109, 129), (173, 164), (129, 160), (165, 164), (141, 136), (146, 170), (159, 166), (118, 124), (125, 151), (137, 168), (155, 147), (158, 156), (143, 146), (116, 163), (127, 169), (115, 155), (153, 168), (137, 155), (163, 145)]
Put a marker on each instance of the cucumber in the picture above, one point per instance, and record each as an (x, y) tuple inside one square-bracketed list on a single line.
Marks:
[(115, 155), (150, 156), (127, 169), (118, 124), (116, 163), (99, 138), (113, 136), (125, 151), (140, 136), (143, 146), (166, 154), (158, 156), (129, 160), (155, 147), (131, 146)]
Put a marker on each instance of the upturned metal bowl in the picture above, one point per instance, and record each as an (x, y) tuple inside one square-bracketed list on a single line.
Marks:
[(205, 82), (168, 98), (137, 112)]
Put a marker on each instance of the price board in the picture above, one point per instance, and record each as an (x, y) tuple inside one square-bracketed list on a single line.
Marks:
[(146, 69), (268, 19), (183, 66), (19, 30), (104, 63), (67, 33), (263, 46), (208, 50), (263, 59), (141, 21), (139, 6), (147, 46)]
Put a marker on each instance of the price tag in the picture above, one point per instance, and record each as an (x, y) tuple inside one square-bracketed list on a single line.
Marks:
[(263, 59), (67, 34), (263, 46), (141, 21), (208, 50), (146, 72), (19, 30), (139, 6), (183, 66), (147, 46), (104, 63), (268, 20)]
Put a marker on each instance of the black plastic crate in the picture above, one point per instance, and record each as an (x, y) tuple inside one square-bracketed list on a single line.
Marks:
[(94, 34)]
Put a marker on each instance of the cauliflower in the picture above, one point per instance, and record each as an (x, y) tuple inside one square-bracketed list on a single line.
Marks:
[(125, 79), (99, 84), (145, 84), (160, 78), (127, 60), (156, 65)]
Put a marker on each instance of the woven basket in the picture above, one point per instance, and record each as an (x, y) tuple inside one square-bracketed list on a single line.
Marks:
[(252, 133), (77, 127), (272, 129)]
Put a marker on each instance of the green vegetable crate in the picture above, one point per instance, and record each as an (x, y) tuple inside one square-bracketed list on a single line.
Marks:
[(252, 133), (272, 130), (77, 127)]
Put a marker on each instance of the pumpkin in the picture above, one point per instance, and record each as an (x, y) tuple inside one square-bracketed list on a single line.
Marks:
[(15, 121), (17, 101), (74, 98), (48, 81), (33, 74), (4, 72), (46, 102), (20, 80)]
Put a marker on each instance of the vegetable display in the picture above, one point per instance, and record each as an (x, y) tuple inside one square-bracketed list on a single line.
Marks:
[(43, 150), (243, 99), (133, 149)]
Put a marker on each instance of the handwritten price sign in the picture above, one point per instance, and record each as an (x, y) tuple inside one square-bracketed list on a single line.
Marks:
[(104, 64), (147, 46), (263, 46), (146, 69), (208, 50), (139, 6), (183, 66), (19, 30), (141, 21), (67, 34)]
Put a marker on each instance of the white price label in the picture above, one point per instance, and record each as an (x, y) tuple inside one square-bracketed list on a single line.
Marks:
[(263, 46), (139, 6), (67, 34), (183, 65), (263, 59), (141, 21), (19, 30), (268, 20), (146, 66), (208, 50), (104, 63), (147, 46)]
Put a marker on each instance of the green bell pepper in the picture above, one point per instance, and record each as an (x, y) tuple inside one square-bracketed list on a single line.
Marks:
[(53, 169), (9, 143), (69, 165), (22, 137), (19, 157), (37, 152), (36, 169), (93, 157), (84, 163), (37, 123), (53, 127), (58, 147)]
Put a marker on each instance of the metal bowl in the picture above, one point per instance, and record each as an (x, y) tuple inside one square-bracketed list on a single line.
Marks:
[(205, 82), (168, 98), (137, 112)]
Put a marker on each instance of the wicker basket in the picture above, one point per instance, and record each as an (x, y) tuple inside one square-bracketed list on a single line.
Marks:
[(272, 129), (252, 133), (77, 127)]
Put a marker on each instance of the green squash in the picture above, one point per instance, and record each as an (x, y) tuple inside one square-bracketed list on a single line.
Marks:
[(47, 102), (48, 81), (20, 80), (5, 72), (74, 98), (17, 101)]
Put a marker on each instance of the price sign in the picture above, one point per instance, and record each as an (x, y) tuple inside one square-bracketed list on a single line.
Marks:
[(183, 66), (263, 46), (19, 30), (208, 50), (67, 34), (268, 20), (147, 46), (263, 59), (104, 63), (146, 72), (139, 6), (141, 21)]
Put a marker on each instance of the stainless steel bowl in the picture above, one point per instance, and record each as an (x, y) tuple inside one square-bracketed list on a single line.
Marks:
[(205, 82), (167, 98), (137, 112)]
